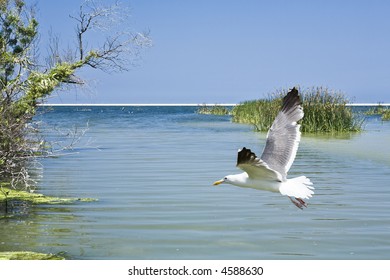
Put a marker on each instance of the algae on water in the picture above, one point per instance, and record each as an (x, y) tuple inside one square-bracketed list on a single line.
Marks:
[(36, 198), (26, 255)]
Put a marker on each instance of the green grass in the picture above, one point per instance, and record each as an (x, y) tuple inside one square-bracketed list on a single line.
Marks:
[(325, 111), (212, 110)]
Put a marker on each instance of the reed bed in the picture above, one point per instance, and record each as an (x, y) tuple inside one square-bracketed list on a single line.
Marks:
[(212, 110), (325, 111), (259, 113), (381, 110)]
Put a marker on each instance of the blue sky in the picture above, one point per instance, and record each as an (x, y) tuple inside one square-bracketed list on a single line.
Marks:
[(217, 51)]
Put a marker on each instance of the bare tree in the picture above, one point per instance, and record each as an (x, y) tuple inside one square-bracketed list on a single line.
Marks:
[(119, 48)]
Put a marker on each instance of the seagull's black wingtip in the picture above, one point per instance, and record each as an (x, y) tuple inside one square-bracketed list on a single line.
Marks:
[(291, 99), (245, 155), (294, 90)]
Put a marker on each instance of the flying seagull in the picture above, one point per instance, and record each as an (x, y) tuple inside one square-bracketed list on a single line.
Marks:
[(269, 172)]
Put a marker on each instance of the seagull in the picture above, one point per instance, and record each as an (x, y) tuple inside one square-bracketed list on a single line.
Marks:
[(269, 172)]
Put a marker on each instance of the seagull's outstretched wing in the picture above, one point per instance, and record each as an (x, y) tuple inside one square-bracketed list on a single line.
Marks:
[(255, 167), (283, 137)]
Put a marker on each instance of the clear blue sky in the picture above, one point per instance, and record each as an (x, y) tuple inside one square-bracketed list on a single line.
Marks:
[(221, 51)]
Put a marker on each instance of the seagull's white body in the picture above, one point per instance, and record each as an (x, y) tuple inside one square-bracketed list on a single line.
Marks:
[(269, 172), (244, 181)]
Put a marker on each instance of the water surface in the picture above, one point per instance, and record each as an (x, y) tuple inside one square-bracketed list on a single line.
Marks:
[(152, 168)]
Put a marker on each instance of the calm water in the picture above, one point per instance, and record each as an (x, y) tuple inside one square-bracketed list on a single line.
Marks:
[(152, 168)]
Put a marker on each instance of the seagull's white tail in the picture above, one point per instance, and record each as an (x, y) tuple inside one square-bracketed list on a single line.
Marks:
[(299, 187)]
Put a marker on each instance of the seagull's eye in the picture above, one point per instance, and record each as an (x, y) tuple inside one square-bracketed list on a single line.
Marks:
[(225, 178)]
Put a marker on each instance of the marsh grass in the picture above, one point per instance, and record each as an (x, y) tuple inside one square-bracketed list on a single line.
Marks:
[(325, 111), (381, 110), (212, 110), (259, 113)]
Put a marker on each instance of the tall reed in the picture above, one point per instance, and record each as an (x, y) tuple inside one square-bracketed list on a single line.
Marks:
[(325, 111), (260, 113)]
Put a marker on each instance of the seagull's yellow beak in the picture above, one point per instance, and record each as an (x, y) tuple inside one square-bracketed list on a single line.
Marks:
[(216, 183)]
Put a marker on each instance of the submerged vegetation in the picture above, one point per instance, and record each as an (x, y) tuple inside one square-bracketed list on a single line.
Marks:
[(213, 110), (380, 110), (325, 111)]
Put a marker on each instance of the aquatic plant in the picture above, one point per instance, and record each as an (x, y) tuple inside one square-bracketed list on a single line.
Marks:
[(213, 110), (380, 110), (260, 113), (325, 111)]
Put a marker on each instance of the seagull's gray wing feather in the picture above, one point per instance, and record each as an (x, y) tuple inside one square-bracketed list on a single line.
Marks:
[(255, 167), (283, 137)]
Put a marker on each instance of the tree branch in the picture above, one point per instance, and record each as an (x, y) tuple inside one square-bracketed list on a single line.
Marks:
[(118, 51)]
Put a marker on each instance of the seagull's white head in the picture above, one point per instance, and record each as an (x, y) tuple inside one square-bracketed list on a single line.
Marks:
[(230, 179), (224, 180)]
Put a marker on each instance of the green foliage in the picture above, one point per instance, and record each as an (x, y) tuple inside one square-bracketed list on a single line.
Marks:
[(17, 35), (39, 85), (325, 111), (212, 110)]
